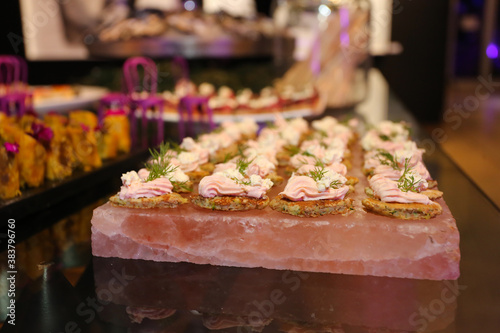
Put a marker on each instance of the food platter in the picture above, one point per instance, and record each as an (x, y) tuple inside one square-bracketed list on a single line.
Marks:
[(188, 46), (84, 97)]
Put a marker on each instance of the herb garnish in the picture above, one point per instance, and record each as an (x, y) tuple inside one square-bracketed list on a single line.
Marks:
[(292, 150), (306, 153), (384, 137), (230, 156), (242, 165), (407, 180), (322, 133), (317, 175), (270, 124), (176, 147), (160, 165), (387, 158)]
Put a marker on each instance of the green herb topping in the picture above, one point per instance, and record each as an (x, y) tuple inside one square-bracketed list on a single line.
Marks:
[(407, 181), (387, 158)]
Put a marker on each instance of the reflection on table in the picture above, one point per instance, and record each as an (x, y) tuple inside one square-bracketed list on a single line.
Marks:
[(154, 296)]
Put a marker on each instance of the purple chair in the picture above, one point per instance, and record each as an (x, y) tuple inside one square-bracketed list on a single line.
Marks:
[(142, 96), (14, 92), (189, 107)]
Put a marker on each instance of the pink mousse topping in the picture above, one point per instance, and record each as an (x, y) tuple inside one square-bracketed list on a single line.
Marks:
[(224, 166), (260, 166), (133, 187), (190, 145), (388, 191), (390, 173), (186, 161), (336, 167), (303, 188), (220, 185)]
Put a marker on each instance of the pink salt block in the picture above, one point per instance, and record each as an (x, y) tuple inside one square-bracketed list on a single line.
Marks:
[(360, 243)]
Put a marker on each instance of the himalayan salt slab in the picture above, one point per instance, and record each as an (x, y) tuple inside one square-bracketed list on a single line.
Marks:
[(360, 243)]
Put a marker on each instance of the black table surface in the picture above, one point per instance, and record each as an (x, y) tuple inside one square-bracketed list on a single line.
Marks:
[(117, 295)]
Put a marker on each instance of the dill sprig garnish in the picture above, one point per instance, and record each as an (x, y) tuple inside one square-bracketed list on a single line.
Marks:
[(240, 181), (218, 130), (384, 137), (159, 166), (228, 157), (335, 184), (182, 185), (242, 165), (317, 174), (387, 158), (303, 160), (345, 120), (322, 133), (407, 180), (292, 150), (270, 124), (240, 152), (163, 150), (175, 147), (306, 153), (319, 163)]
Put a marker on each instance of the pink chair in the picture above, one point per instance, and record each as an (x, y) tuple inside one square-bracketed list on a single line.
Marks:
[(142, 96), (191, 107), (14, 90)]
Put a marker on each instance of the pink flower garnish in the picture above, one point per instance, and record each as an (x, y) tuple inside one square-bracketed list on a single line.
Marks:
[(11, 147), (85, 127), (115, 113), (41, 132)]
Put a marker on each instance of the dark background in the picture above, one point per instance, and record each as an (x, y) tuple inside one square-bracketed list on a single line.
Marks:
[(419, 75)]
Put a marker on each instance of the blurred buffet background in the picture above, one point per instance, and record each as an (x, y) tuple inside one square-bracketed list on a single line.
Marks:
[(86, 87)]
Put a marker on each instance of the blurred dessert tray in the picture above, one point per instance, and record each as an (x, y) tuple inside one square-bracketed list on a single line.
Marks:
[(314, 110), (42, 200), (258, 117), (188, 46), (81, 97)]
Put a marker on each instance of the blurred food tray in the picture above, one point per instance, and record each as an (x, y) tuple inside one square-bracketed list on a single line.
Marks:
[(43, 199), (189, 46), (84, 96)]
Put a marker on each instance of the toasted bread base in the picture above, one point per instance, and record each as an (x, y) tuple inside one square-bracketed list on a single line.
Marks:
[(431, 194), (283, 158), (351, 180), (275, 178), (208, 167), (228, 203), (412, 211), (186, 187), (311, 208), (170, 200), (221, 154), (196, 176)]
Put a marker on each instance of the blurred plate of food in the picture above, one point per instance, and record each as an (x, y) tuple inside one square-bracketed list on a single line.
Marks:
[(65, 97)]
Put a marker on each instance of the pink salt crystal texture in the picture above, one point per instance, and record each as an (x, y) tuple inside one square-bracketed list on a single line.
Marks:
[(360, 243)]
